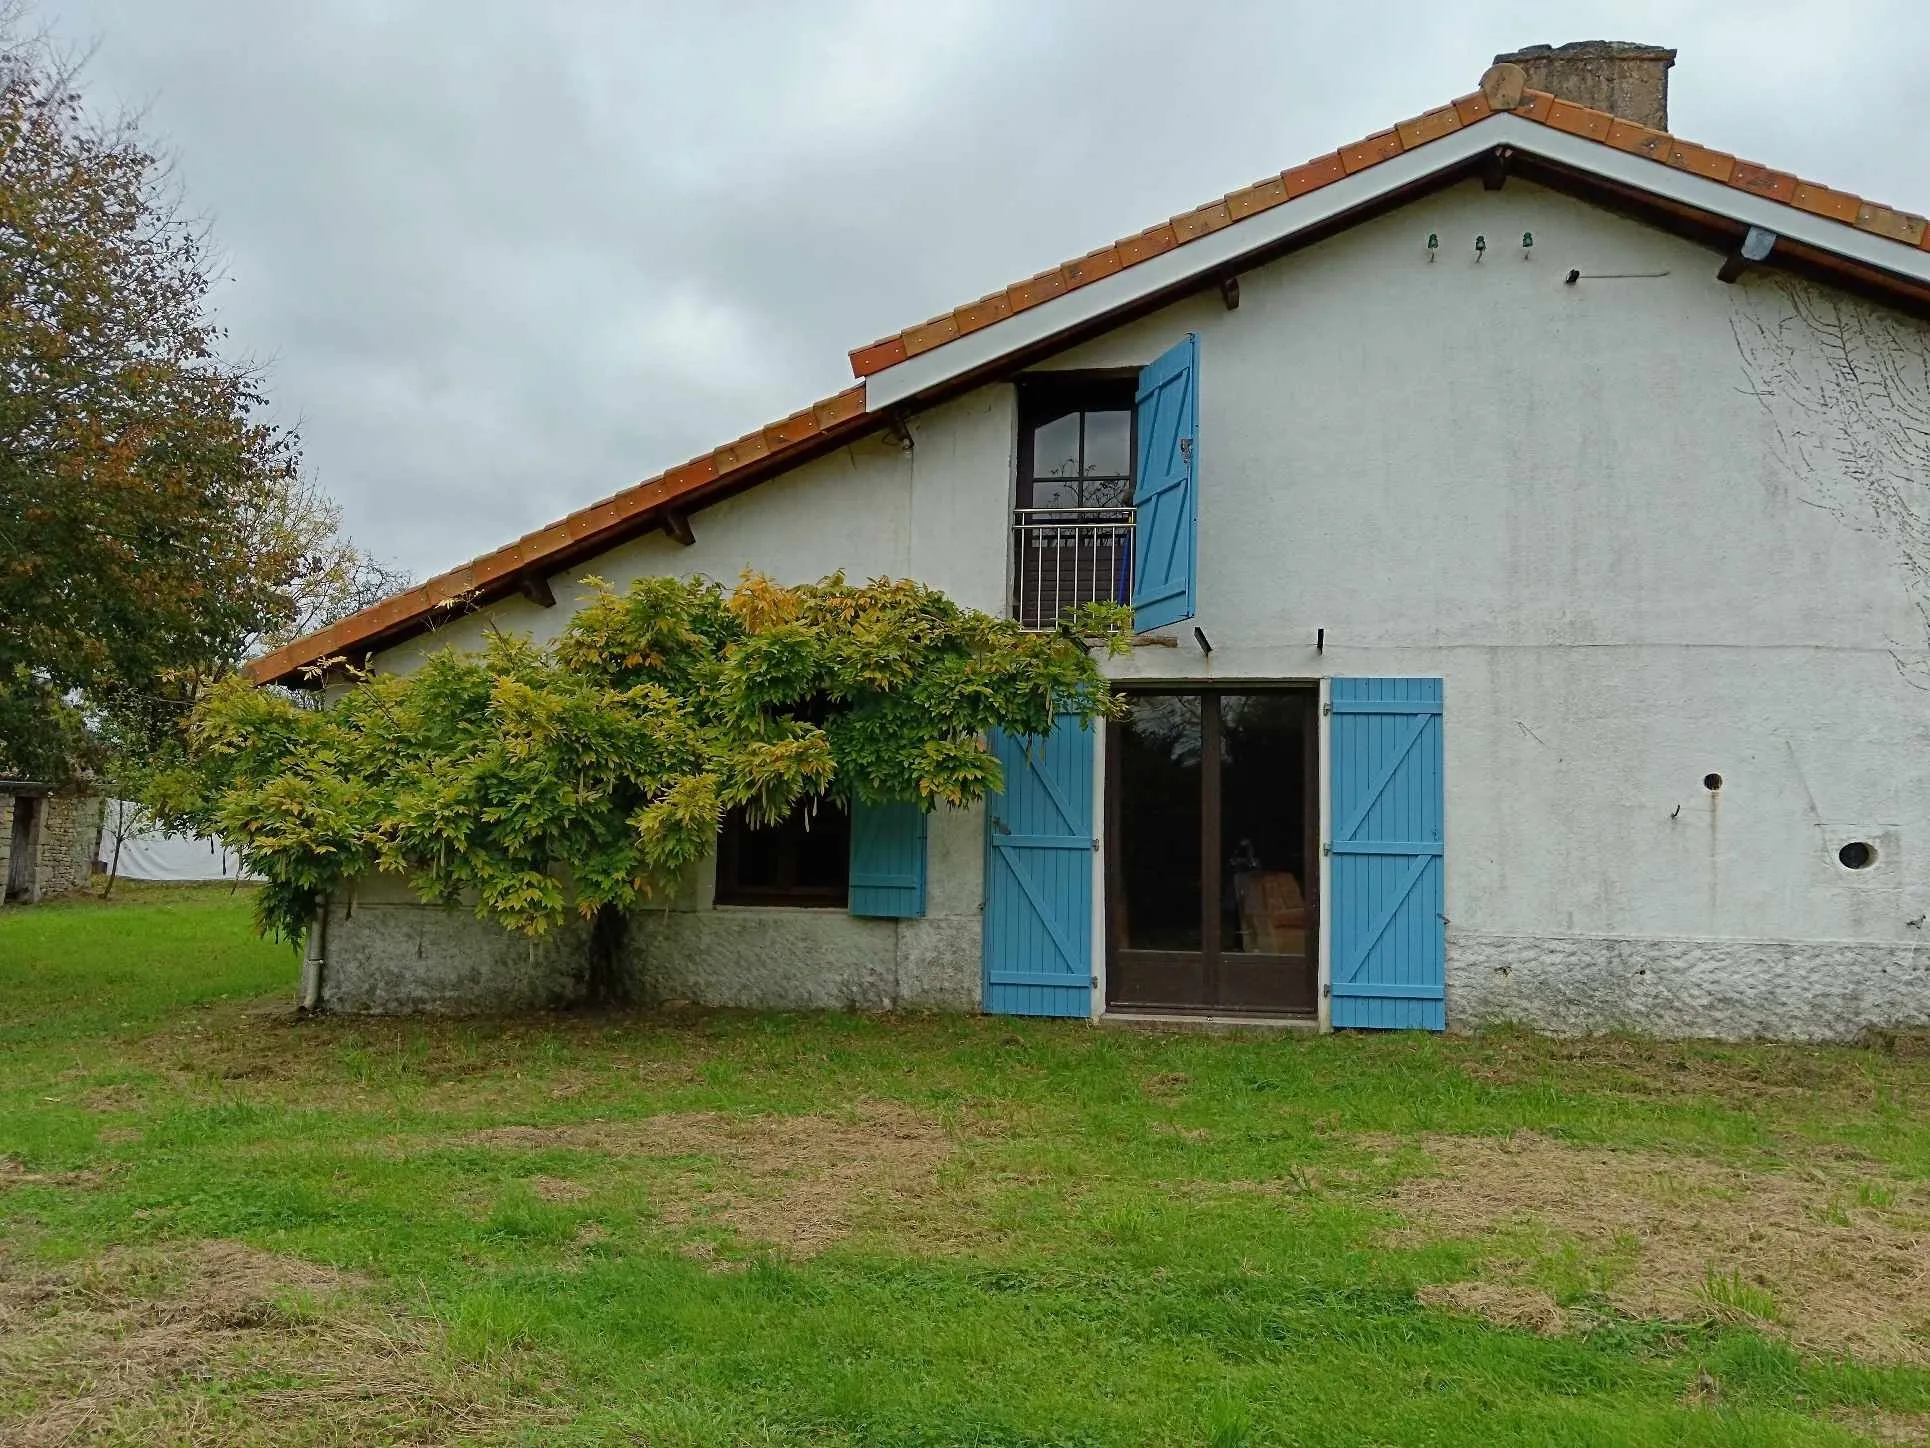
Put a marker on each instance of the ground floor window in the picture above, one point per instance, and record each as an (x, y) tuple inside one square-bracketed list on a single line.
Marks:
[(1212, 810), (804, 859)]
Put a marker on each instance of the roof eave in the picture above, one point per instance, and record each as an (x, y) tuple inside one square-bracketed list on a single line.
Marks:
[(1185, 267)]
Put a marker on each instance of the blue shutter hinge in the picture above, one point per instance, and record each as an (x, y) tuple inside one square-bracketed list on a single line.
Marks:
[(1327, 988), (1326, 847)]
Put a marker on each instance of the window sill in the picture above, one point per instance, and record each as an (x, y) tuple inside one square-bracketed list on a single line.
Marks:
[(774, 907)]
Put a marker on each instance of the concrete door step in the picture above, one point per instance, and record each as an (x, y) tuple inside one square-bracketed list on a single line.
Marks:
[(1212, 1025)]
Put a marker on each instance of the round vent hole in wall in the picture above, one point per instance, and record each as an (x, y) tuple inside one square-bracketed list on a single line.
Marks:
[(1857, 855), (1712, 782)]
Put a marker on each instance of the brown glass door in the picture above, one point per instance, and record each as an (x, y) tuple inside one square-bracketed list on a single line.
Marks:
[(1211, 858)]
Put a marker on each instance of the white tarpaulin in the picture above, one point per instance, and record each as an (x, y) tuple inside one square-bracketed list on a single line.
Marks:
[(154, 854)]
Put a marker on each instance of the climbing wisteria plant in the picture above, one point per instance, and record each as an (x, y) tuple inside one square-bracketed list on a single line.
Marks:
[(590, 774)]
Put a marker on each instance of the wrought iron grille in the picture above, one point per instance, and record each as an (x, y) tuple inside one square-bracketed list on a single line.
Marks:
[(1063, 557)]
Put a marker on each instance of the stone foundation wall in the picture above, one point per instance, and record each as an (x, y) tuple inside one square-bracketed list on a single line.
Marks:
[(386, 953), (1824, 990)]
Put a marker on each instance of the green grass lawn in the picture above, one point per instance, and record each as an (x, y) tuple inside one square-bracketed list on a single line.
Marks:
[(221, 1224)]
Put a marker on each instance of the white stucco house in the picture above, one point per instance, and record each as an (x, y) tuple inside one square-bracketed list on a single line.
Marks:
[(1528, 517)]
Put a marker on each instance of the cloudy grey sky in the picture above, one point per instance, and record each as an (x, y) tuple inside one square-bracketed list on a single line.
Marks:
[(507, 256)]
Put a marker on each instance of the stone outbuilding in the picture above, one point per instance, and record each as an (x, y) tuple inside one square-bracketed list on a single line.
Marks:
[(49, 839)]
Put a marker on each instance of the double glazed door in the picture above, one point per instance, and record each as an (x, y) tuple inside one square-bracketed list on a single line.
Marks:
[(1212, 866)]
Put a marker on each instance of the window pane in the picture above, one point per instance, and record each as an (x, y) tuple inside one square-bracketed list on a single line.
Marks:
[(823, 849), (804, 858), (1055, 451), (1106, 492), (1263, 824), (1109, 444), (1160, 828), (1051, 493)]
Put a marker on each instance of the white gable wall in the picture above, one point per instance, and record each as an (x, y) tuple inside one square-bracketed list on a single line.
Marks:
[(1611, 516), (1610, 520)]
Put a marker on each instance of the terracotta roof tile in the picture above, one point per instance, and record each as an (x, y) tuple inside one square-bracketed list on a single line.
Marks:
[(1776, 185), (1639, 140), (1150, 242), (1687, 156), (795, 428), (1207, 219), (1260, 196), (1312, 175), (984, 312), (886, 352), (1836, 205), (935, 333), (1429, 127), (1897, 225), (1041, 288), (1371, 151), (1535, 106), (1580, 120), (1092, 266), (847, 405)]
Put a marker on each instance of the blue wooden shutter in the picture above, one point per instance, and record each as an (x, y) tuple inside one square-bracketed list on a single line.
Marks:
[(1389, 931), (1165, 532), (1038, 876), (887, 859)]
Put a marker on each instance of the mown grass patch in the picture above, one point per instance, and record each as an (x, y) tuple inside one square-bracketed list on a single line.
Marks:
[(741, 1228)]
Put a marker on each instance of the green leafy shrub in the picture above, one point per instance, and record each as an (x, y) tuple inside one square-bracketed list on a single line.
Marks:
[(591, 774)]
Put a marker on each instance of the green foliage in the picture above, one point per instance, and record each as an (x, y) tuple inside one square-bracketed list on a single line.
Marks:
[(593, 773), (154, 527), (1134, 1237)]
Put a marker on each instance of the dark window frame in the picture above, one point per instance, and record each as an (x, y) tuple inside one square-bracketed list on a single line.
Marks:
[(1045, 398), (732, 890), (1204, 969)]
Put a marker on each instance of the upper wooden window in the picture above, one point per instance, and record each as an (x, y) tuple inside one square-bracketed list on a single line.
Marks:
[(1076, 444)]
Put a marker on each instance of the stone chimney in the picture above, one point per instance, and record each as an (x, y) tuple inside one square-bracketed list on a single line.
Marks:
[(1617, 76)]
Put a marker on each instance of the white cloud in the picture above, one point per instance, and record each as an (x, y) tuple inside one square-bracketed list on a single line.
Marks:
[(508, 257)]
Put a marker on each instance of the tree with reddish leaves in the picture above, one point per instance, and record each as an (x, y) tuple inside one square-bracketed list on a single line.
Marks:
[(154, 526)]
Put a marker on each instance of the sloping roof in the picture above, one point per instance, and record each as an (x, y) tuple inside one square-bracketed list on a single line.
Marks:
[(1866, 234), (590, 530), (1501, 90)]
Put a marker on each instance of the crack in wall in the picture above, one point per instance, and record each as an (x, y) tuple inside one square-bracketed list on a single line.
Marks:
[(1846, 386)]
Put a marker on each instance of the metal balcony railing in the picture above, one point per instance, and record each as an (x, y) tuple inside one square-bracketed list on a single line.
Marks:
[(1063, 557)]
